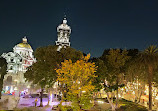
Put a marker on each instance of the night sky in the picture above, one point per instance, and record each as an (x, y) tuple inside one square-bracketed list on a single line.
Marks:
[(96, 24)]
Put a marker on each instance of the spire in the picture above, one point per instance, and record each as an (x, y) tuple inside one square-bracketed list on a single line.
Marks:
[(24, 39)]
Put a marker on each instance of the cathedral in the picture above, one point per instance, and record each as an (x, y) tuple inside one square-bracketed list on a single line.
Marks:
[(18, 61), (22, 57)]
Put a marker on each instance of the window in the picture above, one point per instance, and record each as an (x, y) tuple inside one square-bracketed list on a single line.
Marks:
[(11, 59), (11, 67)]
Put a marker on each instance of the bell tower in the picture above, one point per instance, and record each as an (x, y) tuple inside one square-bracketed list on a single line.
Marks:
[(64, 32)]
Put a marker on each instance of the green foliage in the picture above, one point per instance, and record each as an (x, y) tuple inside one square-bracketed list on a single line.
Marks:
[(100, 73), (116, 61), (48, 59), (145, 66), (134, 71), (43, 72), (64, 108), (116, 58), (86, 101), (149, 56)]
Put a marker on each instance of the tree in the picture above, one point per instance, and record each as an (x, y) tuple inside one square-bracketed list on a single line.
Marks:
[(149, 59), (131, 69), (100, 73), (77, 78), (136, 77), (116, 61), (48, 58), (3, 71)]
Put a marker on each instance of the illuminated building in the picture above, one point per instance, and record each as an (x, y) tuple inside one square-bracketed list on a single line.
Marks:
[(64, 32), (22, 57), (18, 60)]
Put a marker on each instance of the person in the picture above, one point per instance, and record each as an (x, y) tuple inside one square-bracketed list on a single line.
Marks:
[(36, 102)]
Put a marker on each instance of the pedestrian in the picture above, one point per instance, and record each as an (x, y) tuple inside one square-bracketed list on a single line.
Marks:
[(36, 102)]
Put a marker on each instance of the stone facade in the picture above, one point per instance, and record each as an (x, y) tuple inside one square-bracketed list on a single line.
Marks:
[(18, 61)]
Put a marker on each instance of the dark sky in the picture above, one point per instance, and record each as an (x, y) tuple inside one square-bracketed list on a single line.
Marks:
[(96, 24)]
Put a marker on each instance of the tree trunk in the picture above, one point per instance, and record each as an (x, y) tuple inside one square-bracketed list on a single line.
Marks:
[(139, 96), (117, 94), (61, 101), (1, 85), (78, 96), (41, 96), (140, 91), (0, 91), (60, 104), (48, 97), (150, 76), (111, 103)]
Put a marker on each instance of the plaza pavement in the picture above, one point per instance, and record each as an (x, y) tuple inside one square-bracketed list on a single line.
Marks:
[(17, 104)]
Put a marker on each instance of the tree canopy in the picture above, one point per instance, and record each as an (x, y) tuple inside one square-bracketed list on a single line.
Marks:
[(77, 77), (48, 58)]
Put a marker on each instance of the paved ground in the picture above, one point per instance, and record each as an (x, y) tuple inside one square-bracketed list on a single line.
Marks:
[(28, 103), (8, 102), (46, 108)]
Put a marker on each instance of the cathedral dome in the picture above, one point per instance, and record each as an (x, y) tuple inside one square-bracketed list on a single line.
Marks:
[(24, 44)]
